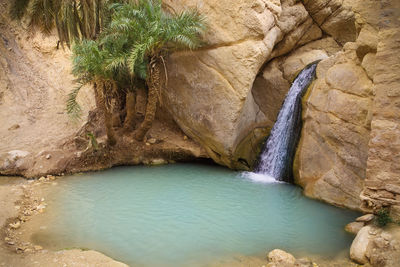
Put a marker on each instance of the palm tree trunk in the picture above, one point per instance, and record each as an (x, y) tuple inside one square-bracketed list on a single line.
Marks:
[(101, 102), (129, 123), (154, 87)]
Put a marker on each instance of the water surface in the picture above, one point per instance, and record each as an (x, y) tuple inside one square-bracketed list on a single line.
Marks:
[(188, 215)]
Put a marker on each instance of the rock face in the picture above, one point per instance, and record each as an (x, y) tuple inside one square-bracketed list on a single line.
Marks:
[(332, 155), (350, 119), (227, 95), (382, 184), (220, 95), (376, 247)]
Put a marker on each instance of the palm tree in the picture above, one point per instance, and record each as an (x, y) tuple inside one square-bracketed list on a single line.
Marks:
[(89, 68), (73, 19), (151, 34)]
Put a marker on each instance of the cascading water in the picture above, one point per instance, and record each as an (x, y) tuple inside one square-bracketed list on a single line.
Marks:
[(277, 156)]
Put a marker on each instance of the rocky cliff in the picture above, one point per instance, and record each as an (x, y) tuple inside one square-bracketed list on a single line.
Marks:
[(227, 95)]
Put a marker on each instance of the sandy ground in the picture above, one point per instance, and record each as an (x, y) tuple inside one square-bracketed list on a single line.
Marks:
[(17, 196)]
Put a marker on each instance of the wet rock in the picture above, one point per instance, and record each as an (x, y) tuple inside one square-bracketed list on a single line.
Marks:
[(158, 162), (354, 227)]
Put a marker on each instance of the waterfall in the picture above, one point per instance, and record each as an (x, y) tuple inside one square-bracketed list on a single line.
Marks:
[(277, 157)]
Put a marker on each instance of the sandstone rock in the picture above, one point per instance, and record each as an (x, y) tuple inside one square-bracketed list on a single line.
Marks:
[(37, 247), (13, 159), (332, 153), (367, 41), (152, 140), (156, 162), (365, 218), (368, 63), (354, 227), (334, 18), (358, 249), (383, 160), (15, 225), (281, 258), (210, 91)]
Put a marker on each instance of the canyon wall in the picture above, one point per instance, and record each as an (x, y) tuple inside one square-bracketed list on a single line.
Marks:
[(227, 95)]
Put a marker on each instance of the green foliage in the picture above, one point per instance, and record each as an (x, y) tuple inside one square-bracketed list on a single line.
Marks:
[(145, 30), (18, 8), (73, 107), (137, 32), (93, 141), (73, 19), (383, 217)]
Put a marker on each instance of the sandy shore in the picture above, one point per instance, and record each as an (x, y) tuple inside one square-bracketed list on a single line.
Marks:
[(20, 201)]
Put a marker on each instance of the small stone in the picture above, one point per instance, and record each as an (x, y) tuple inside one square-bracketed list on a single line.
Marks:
[(152, 141), (19, 249), (15, 225), (185, 137), (42, 179), (27, 212), (28, 250), (158, 162), (37, 248), (354, 227), (365, 218), (147, 144), (48, 156), (14, 127), (41, 207)]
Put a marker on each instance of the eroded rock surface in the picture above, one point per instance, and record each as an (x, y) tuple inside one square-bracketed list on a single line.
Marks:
[(332, 155), (382, 185), (209, 92), (376, 247)]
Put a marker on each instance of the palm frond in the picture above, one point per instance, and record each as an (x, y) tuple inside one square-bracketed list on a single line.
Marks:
[(73, 108), (18, 8)]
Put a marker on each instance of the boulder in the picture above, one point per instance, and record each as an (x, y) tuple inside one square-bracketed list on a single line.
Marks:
[(354, 227), (365, 218), (359, 247), (279, 257)]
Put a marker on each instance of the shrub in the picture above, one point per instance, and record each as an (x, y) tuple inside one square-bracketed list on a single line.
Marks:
[(383, 217)]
